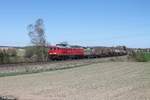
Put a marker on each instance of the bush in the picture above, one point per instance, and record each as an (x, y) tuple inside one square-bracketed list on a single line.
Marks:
[(1, 57), (4, 57), (29, 52), (141, 56), (147, 56), (36, 53)]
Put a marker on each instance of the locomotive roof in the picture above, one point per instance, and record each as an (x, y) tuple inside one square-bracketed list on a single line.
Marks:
[(56, 46)]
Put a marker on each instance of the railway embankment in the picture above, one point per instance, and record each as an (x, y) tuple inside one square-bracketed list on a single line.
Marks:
[(17, 69)]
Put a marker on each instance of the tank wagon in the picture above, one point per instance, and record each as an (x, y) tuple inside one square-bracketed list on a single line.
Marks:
[(62, 52)]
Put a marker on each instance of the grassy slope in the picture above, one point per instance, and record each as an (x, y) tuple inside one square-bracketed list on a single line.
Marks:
[(141, 56)]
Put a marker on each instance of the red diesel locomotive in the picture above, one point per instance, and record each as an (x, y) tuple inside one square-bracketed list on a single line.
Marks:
[(60, 52)]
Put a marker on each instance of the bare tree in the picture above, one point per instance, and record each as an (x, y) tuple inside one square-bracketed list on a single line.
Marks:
[(38, 39)]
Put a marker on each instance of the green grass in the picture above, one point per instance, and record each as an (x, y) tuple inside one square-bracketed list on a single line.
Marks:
[(141, 56)]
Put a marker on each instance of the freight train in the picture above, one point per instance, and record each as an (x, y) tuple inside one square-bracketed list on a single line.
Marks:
[(63, 52)]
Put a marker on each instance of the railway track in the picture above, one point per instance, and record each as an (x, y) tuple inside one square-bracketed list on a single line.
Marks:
[(47, 62)]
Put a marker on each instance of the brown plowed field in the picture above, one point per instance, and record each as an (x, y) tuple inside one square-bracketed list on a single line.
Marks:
[(102, 81)]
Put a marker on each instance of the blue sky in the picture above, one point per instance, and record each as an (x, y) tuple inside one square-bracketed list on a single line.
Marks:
[(82, 22)]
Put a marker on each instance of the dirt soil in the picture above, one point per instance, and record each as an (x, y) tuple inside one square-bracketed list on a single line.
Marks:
[(102, 81)]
